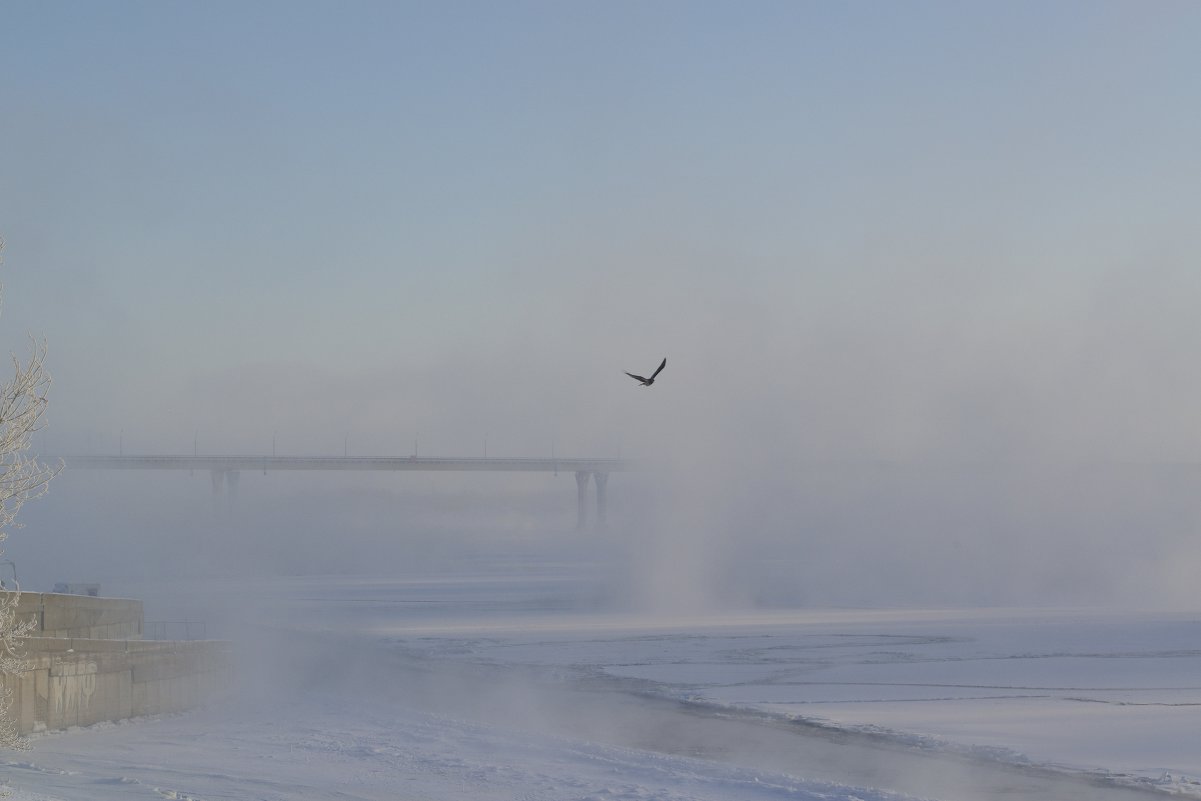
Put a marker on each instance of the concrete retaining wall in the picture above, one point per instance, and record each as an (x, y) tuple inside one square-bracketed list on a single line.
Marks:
[(70, 682), (82, 616), (91, 665)]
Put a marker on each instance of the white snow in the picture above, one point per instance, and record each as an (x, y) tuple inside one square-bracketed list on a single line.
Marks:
[(333, 750), (1100, 691), (1086, 689)]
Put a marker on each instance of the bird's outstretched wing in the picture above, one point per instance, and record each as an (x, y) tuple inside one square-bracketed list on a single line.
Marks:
[(636, 377), (661, 366)]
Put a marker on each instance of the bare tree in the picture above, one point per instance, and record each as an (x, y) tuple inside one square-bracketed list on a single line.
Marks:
[(22, 478)]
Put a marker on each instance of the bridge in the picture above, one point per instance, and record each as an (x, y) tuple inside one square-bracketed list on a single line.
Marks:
[(225, 470)]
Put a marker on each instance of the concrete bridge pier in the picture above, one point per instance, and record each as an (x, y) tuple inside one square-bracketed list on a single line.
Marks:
[(225, 484), (602, 483), (581, 482), (602, 497)]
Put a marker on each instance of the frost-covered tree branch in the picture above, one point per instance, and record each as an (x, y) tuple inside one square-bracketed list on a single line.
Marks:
[(22, 478)]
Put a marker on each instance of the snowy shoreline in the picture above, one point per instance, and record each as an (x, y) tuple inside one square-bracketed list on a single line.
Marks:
[(493, 689)]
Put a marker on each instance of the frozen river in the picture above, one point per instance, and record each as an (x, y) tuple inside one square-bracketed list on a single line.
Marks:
[(520, 684)]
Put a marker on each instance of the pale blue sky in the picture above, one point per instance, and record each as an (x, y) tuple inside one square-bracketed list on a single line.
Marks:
[(907, 227)]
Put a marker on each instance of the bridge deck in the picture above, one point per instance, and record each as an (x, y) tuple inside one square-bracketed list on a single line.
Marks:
[(495, 464)]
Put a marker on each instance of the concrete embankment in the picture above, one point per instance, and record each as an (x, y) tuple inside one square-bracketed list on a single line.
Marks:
[(81, 616), (87, 663)]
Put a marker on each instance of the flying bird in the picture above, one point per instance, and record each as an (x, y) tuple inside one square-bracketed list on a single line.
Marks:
[(646, 382)]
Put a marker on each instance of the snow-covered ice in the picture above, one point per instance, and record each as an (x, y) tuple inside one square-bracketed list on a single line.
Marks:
[(1086, 689), (1107, 695)]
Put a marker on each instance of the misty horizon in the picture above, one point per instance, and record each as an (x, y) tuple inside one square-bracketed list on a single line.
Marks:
[(912, 507), (925, 279)]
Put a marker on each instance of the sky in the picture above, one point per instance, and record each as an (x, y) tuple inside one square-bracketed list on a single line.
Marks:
[(928, 232)]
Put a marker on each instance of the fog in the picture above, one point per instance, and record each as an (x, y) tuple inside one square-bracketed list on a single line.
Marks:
[(928, 300), (852, 458)]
